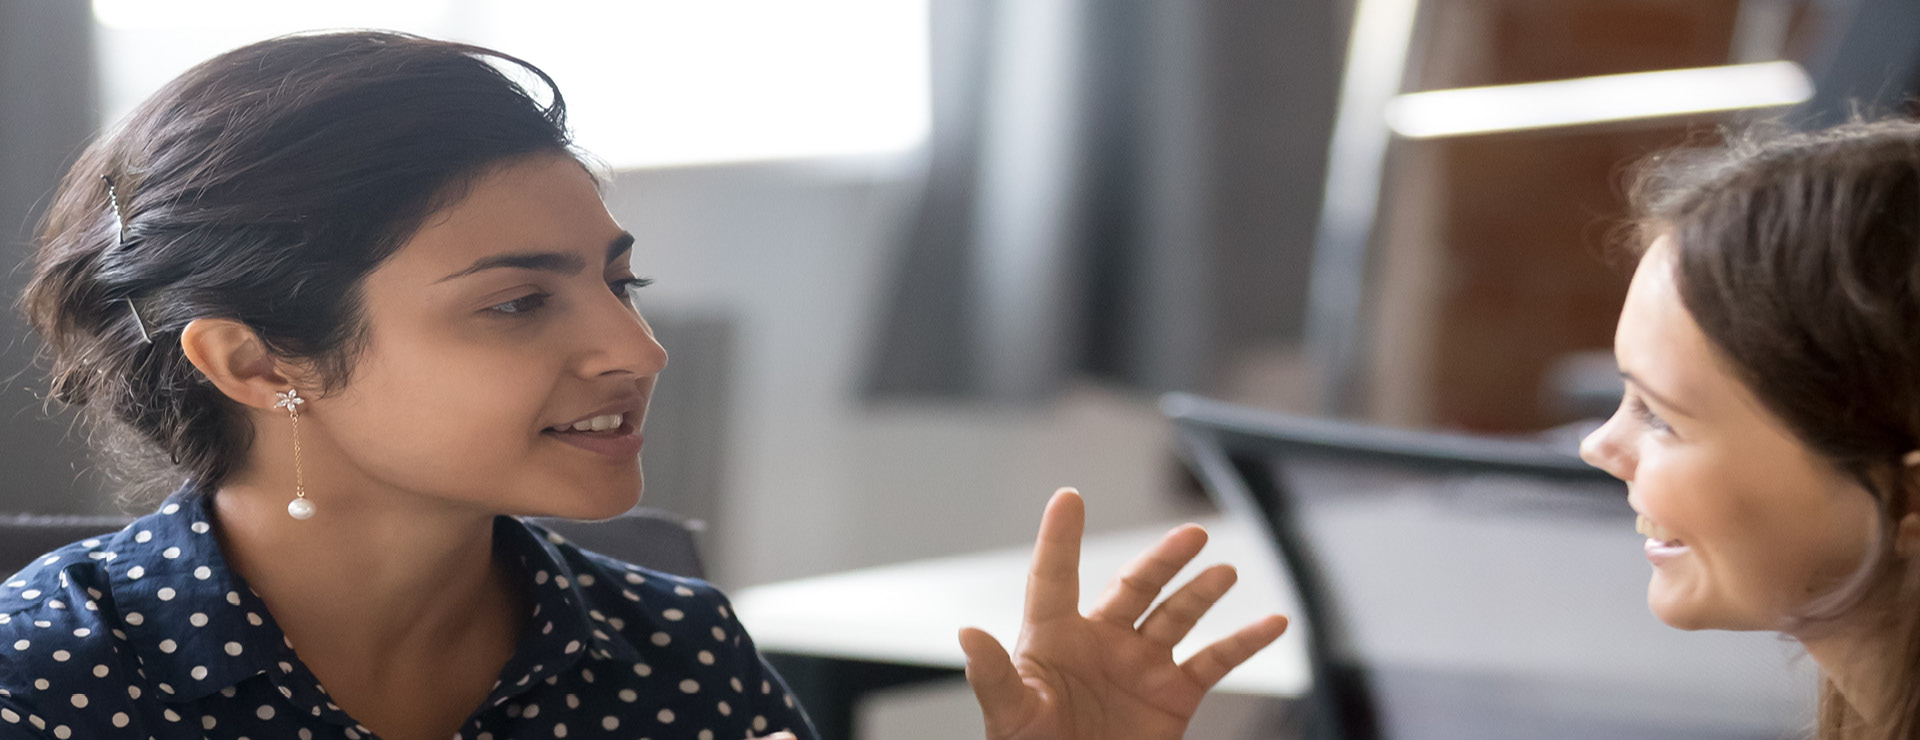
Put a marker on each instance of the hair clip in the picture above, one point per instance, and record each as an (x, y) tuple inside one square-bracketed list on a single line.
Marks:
[(137, 321), (119, 220)]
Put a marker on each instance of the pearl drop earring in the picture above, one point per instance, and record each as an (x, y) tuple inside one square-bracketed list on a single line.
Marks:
[(299, 508)]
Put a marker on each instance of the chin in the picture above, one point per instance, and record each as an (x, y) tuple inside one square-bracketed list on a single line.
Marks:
[(591, 500), (1679, 607), (1685, 610), (1676, 617), (610, 502)]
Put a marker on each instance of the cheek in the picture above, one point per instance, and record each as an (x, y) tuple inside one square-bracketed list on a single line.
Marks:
[(440, 416), (1683, 491), (1725, 581), (1767, 537)]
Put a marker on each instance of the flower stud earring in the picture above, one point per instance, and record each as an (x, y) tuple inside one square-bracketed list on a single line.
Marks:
[(299, 508)]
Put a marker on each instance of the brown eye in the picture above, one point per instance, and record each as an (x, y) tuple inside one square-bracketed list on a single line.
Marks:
[(1646, 415), (521, 306)]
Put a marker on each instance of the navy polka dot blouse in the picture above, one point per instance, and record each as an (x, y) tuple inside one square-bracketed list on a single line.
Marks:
[(146, 634)]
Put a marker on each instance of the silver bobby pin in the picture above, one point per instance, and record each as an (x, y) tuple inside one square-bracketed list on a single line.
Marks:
[(137, 321), (119, 222), (120, 233)]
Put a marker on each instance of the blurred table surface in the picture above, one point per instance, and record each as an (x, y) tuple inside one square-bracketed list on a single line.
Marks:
[(1552, 608)]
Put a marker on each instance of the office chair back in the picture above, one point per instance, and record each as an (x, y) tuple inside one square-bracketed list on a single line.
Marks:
[(25, 536), (1459, 586), (650, 538)]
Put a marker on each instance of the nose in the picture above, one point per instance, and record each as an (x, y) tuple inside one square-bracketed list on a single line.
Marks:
[(617, 340), (1607, 449)]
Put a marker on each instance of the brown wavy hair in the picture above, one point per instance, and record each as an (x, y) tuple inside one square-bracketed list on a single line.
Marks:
[(261, 186), (1799, 256)]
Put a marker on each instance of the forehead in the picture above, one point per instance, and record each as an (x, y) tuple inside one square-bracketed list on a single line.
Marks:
[(539, 203), (1659, 344), (1653, 301)]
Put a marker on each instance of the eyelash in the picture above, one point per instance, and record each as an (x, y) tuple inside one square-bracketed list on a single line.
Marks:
[(529, 304), (1646, 415), (626, 286)]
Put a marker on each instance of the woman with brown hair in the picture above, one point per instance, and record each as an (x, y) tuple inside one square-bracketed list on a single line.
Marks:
[(1770, 432), (354, 298)]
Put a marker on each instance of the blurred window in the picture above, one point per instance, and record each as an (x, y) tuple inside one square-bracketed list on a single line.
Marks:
[(649, 83)]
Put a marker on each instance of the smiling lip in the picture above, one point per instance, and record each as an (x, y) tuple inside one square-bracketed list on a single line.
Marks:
[(622, 442), (1662, 552)]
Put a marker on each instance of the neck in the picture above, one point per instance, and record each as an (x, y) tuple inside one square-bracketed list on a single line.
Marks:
[(367, 576), (1862, 657)]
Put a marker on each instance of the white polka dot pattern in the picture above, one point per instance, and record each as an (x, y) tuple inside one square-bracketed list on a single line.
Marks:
[(146, 634)]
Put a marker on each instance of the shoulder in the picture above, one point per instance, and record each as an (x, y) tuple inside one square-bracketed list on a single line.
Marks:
[(654, 610), (671, 639), (605, 577), (59, 594), (56, 648), (50, 572), (607, 582)]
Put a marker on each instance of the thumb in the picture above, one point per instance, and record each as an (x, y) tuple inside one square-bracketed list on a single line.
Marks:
[(996, 685)]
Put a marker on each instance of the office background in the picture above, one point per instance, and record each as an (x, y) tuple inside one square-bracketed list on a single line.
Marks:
[(903, 308)]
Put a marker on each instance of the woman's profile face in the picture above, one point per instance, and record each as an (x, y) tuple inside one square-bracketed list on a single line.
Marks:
[(1745, 524), (504, 320)]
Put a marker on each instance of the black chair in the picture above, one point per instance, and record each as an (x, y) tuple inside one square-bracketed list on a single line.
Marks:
[(1358, 512), (650, 538), (26, 536)]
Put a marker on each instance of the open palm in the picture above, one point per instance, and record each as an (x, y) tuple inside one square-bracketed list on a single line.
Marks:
[(1107, 674)]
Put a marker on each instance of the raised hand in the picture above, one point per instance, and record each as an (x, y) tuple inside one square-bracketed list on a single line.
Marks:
[(1108, 674)]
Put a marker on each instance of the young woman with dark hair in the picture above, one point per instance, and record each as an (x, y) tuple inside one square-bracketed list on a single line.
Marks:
[(1770, 435), (355, 300)]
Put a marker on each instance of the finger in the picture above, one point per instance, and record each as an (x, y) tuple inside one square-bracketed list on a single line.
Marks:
[(996, 684), (1208, 666), (1173, 618), (1130, 593), (1053, 586)]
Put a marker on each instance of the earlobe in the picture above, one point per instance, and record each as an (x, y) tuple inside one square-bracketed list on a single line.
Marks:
[(234, 359), (1906, 537)]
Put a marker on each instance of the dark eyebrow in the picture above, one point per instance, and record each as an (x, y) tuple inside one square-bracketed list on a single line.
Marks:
[(1676, 408), (562, 263), (620, 245)]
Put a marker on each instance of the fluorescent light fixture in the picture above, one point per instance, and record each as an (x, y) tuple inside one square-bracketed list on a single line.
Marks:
[(253, 16), (1479, 110), (649, 83)]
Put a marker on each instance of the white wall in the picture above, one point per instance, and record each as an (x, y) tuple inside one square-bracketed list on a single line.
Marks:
[(815, 479)]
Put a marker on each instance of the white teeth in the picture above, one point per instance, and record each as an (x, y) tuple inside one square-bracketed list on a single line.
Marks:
[(595, 424), (1645, 526)]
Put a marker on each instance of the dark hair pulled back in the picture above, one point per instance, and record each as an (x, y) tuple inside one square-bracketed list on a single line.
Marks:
[(1799, 257), (261, 186)]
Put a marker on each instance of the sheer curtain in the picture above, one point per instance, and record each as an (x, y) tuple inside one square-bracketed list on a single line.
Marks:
[(1120, 189), (48, 110)]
